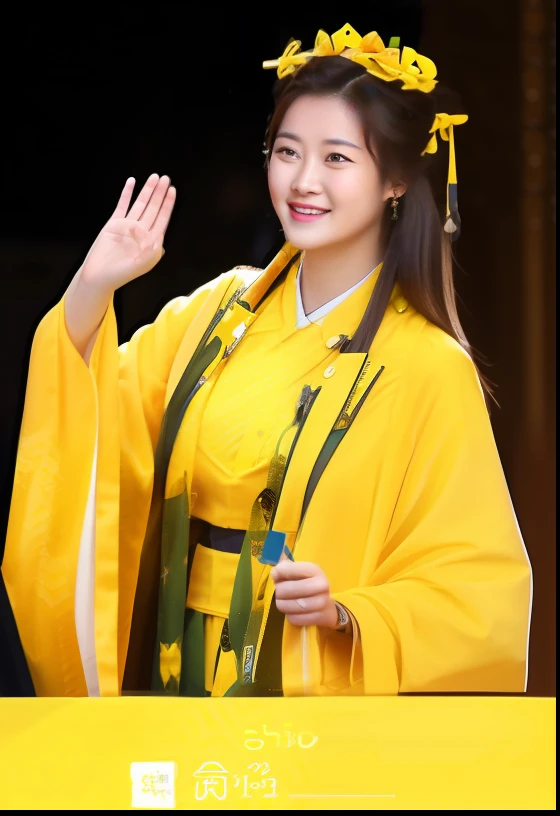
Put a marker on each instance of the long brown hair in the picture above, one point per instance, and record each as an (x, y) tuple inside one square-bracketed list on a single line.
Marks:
[(396, 124)]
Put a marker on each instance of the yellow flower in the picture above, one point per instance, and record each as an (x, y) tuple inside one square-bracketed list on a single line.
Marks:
[(389, 64), (170, 660), (345, 37), (412, 69)]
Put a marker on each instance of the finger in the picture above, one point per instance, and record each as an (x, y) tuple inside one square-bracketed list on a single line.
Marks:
[(304, 588), (307, 619), (294, 570), (149, 215), (143, 197), (124, 200), (162, 220), (302, 605)]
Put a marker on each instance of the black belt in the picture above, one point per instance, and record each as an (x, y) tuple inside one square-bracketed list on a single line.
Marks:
[(223, 539)]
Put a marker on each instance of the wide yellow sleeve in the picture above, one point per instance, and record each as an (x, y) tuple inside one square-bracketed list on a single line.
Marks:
[(85, 467), (447, 605)]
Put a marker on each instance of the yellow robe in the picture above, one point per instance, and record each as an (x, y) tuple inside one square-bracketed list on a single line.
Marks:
[(411, 521), (246, 410)]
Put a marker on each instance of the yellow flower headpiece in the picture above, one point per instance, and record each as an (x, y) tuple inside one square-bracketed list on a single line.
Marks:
[(385, 63), (414, 71)]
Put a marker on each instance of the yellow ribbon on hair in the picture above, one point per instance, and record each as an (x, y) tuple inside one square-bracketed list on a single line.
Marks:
[(443, 124), (289, 60), (415, 71), (390, 64)]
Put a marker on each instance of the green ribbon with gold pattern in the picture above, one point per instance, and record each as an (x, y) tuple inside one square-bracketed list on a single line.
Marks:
[(248, 614)]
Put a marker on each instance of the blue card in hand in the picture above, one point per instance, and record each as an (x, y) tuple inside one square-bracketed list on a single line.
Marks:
[(273, 547)]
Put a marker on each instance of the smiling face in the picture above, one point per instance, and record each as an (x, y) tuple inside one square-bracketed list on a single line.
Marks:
[(324, 184)]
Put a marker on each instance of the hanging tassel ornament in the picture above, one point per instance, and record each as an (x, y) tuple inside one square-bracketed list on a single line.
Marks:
[(395, 206), (443, 124), (453, 222)]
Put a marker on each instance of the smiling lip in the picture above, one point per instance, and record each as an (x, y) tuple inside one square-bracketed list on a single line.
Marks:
[(319, 212)]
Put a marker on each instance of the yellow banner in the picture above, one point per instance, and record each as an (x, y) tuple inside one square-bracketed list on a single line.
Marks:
[(402, 753)]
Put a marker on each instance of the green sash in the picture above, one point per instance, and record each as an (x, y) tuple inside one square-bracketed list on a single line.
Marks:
[(159, 608)]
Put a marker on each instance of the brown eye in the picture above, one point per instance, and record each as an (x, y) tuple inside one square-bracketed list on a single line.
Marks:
[(287, 151), (338, 158)]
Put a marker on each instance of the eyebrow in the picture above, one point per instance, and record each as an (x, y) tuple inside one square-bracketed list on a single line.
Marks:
[(284, 134)]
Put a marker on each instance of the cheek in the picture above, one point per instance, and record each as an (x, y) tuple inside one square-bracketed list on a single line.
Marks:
[(360, 191), (277, 181)]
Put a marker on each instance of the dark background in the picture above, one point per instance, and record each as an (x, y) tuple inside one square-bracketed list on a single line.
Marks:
[(93, 95)]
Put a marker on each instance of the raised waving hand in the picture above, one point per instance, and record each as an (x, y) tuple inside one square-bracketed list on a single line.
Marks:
[(131, 242), (128, 246)]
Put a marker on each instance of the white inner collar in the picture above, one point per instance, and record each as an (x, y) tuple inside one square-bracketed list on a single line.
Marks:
[(314, 317)]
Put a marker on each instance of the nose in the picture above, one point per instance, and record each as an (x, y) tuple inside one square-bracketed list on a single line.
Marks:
[(307, 179)]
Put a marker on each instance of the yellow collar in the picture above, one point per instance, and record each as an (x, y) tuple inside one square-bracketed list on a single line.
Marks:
[(343, 319)]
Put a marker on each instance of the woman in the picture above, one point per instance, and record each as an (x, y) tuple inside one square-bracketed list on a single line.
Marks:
[(288, 483)]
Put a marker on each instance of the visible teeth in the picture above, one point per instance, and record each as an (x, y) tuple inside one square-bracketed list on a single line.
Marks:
[(308, 211)]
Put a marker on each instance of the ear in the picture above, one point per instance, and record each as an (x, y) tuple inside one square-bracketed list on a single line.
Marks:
[(392, 190)]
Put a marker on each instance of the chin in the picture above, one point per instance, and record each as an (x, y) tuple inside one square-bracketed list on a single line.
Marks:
[(305, 240)]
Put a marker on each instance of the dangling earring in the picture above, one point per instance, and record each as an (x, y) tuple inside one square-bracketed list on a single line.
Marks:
[(395, 206)]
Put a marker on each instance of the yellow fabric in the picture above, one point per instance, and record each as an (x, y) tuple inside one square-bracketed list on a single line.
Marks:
[(213, 573), (370, 51), (239, 433), (411, 521), (254, 400), (212, 577)]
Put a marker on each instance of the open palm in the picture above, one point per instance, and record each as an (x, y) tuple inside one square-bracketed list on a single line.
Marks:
[(131, 242)]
